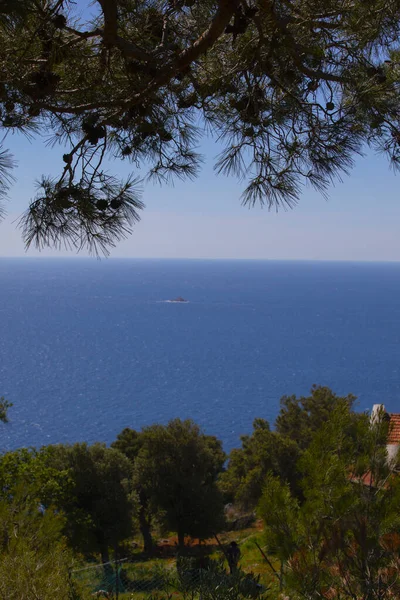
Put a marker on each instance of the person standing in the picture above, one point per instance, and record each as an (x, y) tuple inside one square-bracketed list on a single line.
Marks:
[(233, 556)]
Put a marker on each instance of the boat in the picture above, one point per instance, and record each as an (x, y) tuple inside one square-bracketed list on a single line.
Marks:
[(179, 299)]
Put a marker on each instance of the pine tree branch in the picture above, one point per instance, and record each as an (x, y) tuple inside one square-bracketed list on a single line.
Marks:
[(110, 14), (111, 37), (224, 13)]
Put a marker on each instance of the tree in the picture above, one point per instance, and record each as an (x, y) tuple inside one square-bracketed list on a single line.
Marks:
[(300, 418), (293, 89), (177, 467), (34, 560), (4, 406), (88, 484), (99, 508), (34, 469), (262, 452), (342, 541), (279, 451), (129, 442)]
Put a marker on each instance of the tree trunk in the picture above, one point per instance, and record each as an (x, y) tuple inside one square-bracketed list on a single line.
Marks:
[(145, 530), (105, 559), (181, 540), (105, 555)]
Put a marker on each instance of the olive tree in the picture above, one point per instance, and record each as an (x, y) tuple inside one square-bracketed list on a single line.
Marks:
[(177, 469)]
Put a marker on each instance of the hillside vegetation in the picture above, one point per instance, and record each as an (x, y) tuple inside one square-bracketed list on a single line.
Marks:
[(312, 504)]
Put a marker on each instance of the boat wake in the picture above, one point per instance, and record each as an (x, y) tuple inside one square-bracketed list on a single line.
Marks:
[(173, 301)]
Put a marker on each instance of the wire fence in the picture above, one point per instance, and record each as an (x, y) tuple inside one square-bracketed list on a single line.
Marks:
[(124, 580), (121, 579)]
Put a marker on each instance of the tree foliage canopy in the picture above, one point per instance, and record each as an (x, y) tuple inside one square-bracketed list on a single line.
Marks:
[(342, 541), (300, 418), (89, 485), (4, 406), (177, 468), (129, 442), (263, 451), (278, 452), (34, 559), (292, 89), (99, 507)]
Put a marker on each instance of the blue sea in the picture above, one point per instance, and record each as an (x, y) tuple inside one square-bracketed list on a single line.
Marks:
[(89, 347)]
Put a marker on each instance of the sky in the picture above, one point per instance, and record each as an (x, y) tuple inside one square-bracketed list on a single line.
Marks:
[(205, 219)]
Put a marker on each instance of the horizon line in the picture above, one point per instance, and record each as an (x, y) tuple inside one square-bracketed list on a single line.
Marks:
[(183, 258)]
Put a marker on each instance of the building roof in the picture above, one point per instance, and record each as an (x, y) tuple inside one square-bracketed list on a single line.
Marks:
[(394, 429), (365, 479)]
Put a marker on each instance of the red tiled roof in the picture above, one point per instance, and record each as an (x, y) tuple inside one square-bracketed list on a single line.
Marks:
[(366, 479), (394, 429)]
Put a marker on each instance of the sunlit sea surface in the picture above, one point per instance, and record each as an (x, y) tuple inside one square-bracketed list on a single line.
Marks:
[(89, 347)]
